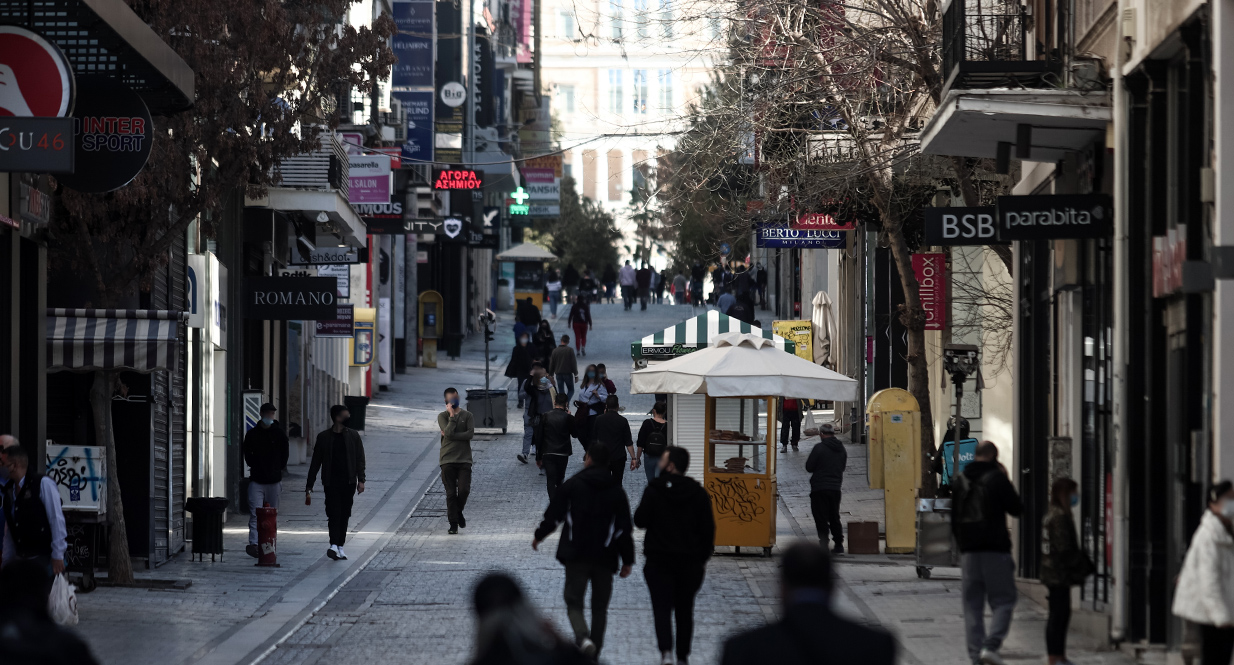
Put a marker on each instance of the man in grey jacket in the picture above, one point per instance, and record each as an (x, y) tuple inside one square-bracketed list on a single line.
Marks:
[(826, 466)]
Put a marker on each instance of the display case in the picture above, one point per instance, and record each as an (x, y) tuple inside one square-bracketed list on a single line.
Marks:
[(740, 459)]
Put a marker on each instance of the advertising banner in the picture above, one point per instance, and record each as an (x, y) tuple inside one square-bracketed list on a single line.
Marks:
[(36, 145), (821, 222), (799, 332), (781, 236), (1054, 217), (368, 179), (931, 272), (418, 105), (343, 326), (112, 135), (412, 45), (544, 191)]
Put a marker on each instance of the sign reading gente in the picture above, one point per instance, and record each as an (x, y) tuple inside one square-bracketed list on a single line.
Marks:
[(291, 298)]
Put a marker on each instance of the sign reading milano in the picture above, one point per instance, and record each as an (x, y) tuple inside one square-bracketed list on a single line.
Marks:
[(1052, 217), (291, 298)]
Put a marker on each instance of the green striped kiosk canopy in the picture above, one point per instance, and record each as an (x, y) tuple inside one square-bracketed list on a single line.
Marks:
[(696, 333)]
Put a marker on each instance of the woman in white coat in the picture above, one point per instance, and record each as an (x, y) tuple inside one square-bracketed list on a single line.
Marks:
[(1205, 593)]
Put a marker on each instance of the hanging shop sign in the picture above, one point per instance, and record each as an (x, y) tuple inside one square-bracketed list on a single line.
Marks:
[(343, 326), (453, 94), (479, 240), (39, 79), (428, 225), (113, 133), (34, 206), (540, 175), (961, 226), (492, 217), (931, 272), (544, 191), (392, 209), (418, 106), (412, 45), (1054, 217), (786, 237), (341, 273), (291, 298), (544, 162), (331, 256), (368, 179), (1169, 255), (821, 222), (542, 210), (453, 179), (36, 145)]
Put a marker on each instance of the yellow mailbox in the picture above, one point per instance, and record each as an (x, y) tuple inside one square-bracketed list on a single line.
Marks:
[(895, 463), (431, 327)]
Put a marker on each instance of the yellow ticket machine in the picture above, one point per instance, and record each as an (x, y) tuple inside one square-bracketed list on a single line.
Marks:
[(431, 326), (894, 421)]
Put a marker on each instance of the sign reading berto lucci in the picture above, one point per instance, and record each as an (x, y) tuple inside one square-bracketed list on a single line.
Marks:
[(782, 236), (291, 298), (1054, 217)]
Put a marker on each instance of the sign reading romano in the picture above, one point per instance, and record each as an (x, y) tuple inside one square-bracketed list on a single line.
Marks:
[(291, 298), (960, 226), (1056, 216)]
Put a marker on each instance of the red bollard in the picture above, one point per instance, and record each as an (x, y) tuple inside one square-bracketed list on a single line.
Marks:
[(267, 536)]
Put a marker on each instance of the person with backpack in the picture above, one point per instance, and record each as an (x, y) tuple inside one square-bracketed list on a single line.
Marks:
[(1063, 565), (597, 528), (984, 497), (653, 440)]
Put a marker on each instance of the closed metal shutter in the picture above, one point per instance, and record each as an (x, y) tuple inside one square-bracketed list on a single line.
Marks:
[(688, 415), (160, 436), (179, 392)]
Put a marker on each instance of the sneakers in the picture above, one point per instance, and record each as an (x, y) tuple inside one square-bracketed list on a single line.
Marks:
[(333, 552), (588, 648), (462, 521), (252, 551), (341, 554), (522, 458), (838, 549), (991, 657), (453, 529), (666, 658)]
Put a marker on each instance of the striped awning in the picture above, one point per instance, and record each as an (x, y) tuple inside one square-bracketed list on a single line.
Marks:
[(139, 340), (696, 333)]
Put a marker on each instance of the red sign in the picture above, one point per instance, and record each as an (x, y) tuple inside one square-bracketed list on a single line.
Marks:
[(931, 272), (457, 179), (396, 156), (35, 77), (821, 222)]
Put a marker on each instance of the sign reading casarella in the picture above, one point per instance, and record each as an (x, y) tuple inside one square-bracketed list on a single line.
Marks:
[(291, 298), (458, 179)]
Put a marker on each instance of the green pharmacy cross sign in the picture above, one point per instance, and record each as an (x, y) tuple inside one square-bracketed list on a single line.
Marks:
[(520, 205)]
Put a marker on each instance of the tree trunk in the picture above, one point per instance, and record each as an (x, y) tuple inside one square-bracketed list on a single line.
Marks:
[(119, 566)]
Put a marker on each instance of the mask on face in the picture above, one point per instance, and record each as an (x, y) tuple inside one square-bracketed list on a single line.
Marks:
[(1227, 509), (1075, 500), (544, 382), (522, 340), (591, 375), (453, 402), (267, 421), (601, 375)]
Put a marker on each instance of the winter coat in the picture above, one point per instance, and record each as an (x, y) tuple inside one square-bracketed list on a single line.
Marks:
[(539, 401), (580, 314), (826, 464), (552, 436), (613, 430), (810, 634), (570, 277), (563, 361), (1064, 561), (596, 514), (323, 454), (988, 532), (519, 366), (676, 512), (1205, 591), (265, 451)]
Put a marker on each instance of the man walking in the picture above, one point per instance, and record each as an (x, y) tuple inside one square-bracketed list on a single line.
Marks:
[(643, 279), (540, 396), (265, 451), (597, 530), (563, 365), (339, 455), (681, 534), (790, 420), (613, 430), (628, 279), (725, 301), (553, 445), (679, 288), (984, 496), (826, 465), (457, 427), (34, 522)]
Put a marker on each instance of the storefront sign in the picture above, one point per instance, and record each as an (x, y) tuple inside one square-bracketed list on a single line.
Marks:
[(392, 209), (341, 273), (961, 226), (36, 145), (35, 205), (39, 79), (343, 326), (544, 191), (412, 45), (452, 227), (540, 175), (544, 162), (368, 179), (331, 256), (534, 210), (290, 298), (821, 222), (1169, 255), (418, 107), (113, 132), (480, 240), (781, 236), (449, 179), (931, 272), (1056, 216), (453, 94)]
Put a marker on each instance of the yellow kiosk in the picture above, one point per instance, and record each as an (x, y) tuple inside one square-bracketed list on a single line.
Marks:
[(432, 307), (529, 273)]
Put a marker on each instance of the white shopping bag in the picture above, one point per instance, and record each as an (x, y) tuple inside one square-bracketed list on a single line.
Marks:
[(808, 427), (62, 605)]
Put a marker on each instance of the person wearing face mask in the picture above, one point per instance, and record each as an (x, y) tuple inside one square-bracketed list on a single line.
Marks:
[(590, 402), (540, 396), (265, 449), (1063, 565), (338, 454), (457, 428), (609, 386), (1205, 592), (519, 367)]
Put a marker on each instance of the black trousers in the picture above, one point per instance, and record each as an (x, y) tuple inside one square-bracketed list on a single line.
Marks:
[(792, 420), (1216, 645), (825, 504), (554, 472), (673, 585), (619, 469), (338, 511), (1058, 620), (456, 478)]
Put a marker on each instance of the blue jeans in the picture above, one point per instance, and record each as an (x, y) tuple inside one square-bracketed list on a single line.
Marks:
[(529, 432), (565, 384), (651, 466), (260, 493), (987, 577), (554, 297)]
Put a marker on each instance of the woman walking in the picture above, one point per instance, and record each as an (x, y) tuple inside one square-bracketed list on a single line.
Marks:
[(653, 439), (590, 402), (580, 321), (1205, 593), (554, 291), (1063, 566), (519, 367), (543, 343)]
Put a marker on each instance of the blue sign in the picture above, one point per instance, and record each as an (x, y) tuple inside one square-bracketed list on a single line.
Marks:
[(725, 249), (968, 448), (418, 146), (785, 237), (412, 45)]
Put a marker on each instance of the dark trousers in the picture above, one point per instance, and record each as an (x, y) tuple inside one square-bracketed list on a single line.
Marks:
[(673, 585), (1058, 620), (338, 511), (456, 478), (792, 420), (619, 469), (554, 472), (1216, 645), (578, 575), (825, 504)]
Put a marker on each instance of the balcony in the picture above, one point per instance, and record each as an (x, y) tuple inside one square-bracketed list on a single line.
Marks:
[(314, 185), (986, 45)]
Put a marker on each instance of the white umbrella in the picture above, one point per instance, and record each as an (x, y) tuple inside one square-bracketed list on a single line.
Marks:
[(744, 365), (526, 252), (824, 325)]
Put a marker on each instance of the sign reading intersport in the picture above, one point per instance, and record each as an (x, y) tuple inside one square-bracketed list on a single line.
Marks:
[(1053, 217), (291, 298)]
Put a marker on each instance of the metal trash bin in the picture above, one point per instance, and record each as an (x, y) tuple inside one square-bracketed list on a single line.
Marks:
[(488, 407), (207, 524), (935, 543), (356, 405)]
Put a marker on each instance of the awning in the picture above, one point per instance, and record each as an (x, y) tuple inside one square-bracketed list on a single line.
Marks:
[(312, 203), (971, 123), (83, 340), (526, 252), (696, 333)]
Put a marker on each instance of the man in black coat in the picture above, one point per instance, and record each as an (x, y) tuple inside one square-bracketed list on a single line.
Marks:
[(265, 450), (613, 430), (553, 446), (681, 534), (826, 464), (339, 455), (597, 528), (810, 631)]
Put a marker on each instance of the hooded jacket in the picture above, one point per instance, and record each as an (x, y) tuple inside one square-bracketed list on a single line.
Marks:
[(597, 520), (998, 499), (1205, 592), (676, 512), (826, 463)]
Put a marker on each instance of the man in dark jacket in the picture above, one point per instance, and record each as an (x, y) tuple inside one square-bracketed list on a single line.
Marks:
[(826, 466), (553, 446), (339, 455), (613, 430), (265, 451), (809, 632), (984, 496), (597, 530), (643, 279), (681, 534)]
